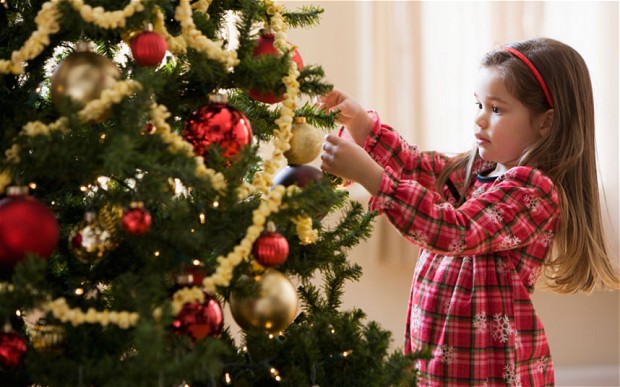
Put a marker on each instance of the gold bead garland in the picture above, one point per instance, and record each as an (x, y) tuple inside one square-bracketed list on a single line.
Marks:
[(198, 41), (61, 310)]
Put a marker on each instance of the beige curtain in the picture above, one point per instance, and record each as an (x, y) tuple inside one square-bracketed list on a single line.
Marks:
[(415, 63)]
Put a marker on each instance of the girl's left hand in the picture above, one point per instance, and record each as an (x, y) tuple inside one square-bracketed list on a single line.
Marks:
[(351, 162)]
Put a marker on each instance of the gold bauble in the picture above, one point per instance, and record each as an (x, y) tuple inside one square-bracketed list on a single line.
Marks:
[(273, 309), (90, 241), (80, 79), (305, 144), (110, 218)]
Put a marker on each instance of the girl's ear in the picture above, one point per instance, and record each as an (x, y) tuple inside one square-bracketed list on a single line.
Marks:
[(545, 120)]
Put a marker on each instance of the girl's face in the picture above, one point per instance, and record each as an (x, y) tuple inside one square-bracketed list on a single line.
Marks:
[(504, 127)]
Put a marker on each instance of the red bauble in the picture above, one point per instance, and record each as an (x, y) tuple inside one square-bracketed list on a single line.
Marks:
[(297, 174), (199, 320), (148, 48), (136, 220), (12, 349), (219, 124), (26, 226), (264, 46), (270, 249)]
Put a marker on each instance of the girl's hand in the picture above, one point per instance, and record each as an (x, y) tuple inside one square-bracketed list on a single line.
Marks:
[(351, 162), (352, 114)]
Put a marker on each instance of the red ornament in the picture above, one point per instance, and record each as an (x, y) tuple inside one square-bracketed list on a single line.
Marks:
[(297, 174), (264, 46), (219, 124), (26, 226), (12, 349), (270, 249), (199, 320), (136, 220), (148, 48)]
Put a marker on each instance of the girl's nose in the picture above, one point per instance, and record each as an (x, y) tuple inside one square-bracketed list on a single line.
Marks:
[(480, 119)]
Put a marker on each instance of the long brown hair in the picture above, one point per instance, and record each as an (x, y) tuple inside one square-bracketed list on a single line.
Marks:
[(579, 260)]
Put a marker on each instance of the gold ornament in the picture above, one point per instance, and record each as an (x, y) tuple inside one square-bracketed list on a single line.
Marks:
[(90, 241), (110, 218), (47, 338), (81, 78), (305, 144), (274, 308)]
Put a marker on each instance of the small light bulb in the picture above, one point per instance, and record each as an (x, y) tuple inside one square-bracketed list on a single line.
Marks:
[(79, 291), (227, 378), (216, 204), (202, 218), (18, 313), (32, 185), (156, 253), (196, 262)]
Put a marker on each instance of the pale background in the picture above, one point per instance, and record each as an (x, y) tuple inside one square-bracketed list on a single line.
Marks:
[(415, 63)]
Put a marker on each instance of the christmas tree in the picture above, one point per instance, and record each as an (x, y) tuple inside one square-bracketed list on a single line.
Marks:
[(138, 202)]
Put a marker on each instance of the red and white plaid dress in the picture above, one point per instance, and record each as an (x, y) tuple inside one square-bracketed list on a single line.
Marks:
[(470, 296)]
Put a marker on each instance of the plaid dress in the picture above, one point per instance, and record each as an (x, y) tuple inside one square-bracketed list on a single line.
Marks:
[(470, 295)]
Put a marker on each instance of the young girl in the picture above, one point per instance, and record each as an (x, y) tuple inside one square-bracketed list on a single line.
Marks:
[(489, 221)]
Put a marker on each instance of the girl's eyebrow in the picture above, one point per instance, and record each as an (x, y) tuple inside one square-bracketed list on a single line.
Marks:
[(492, 98)]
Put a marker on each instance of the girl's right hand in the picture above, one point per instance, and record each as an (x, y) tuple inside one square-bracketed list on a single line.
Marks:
[(351, 114)]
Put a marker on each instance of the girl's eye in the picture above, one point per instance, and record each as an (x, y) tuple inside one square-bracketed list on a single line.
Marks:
[(478, 105), (496, 110)]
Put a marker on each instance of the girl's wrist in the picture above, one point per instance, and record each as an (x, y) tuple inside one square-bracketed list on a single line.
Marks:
[(362, 127), (372, 179)]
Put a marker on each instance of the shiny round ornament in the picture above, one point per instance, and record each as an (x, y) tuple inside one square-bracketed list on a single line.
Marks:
[(218, 123), (200, 320), (273, 309), (26, 226), (264, 46), (270, 249), (301, 175), (148, 48), (12, 349), (305, 143), (136, 220), (80, 79), (90, 242)]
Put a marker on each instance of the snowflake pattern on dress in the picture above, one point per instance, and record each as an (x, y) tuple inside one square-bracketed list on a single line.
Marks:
[(421, 261), (420, 237), (502, 266), (416, 319), (541, 365), (502, 329), (509, 242), (456, 246), (546, 238), (479, 191), (480, 322), (532, 203), (511, 377), (446, 354), (495, 214), (533, 276), (445, 307)]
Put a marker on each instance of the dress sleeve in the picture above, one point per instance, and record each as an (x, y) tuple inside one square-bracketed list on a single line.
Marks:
[(405, 161), (520, 206)]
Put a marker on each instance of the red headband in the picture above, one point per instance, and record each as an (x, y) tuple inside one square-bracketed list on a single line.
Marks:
[(534, 71)]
